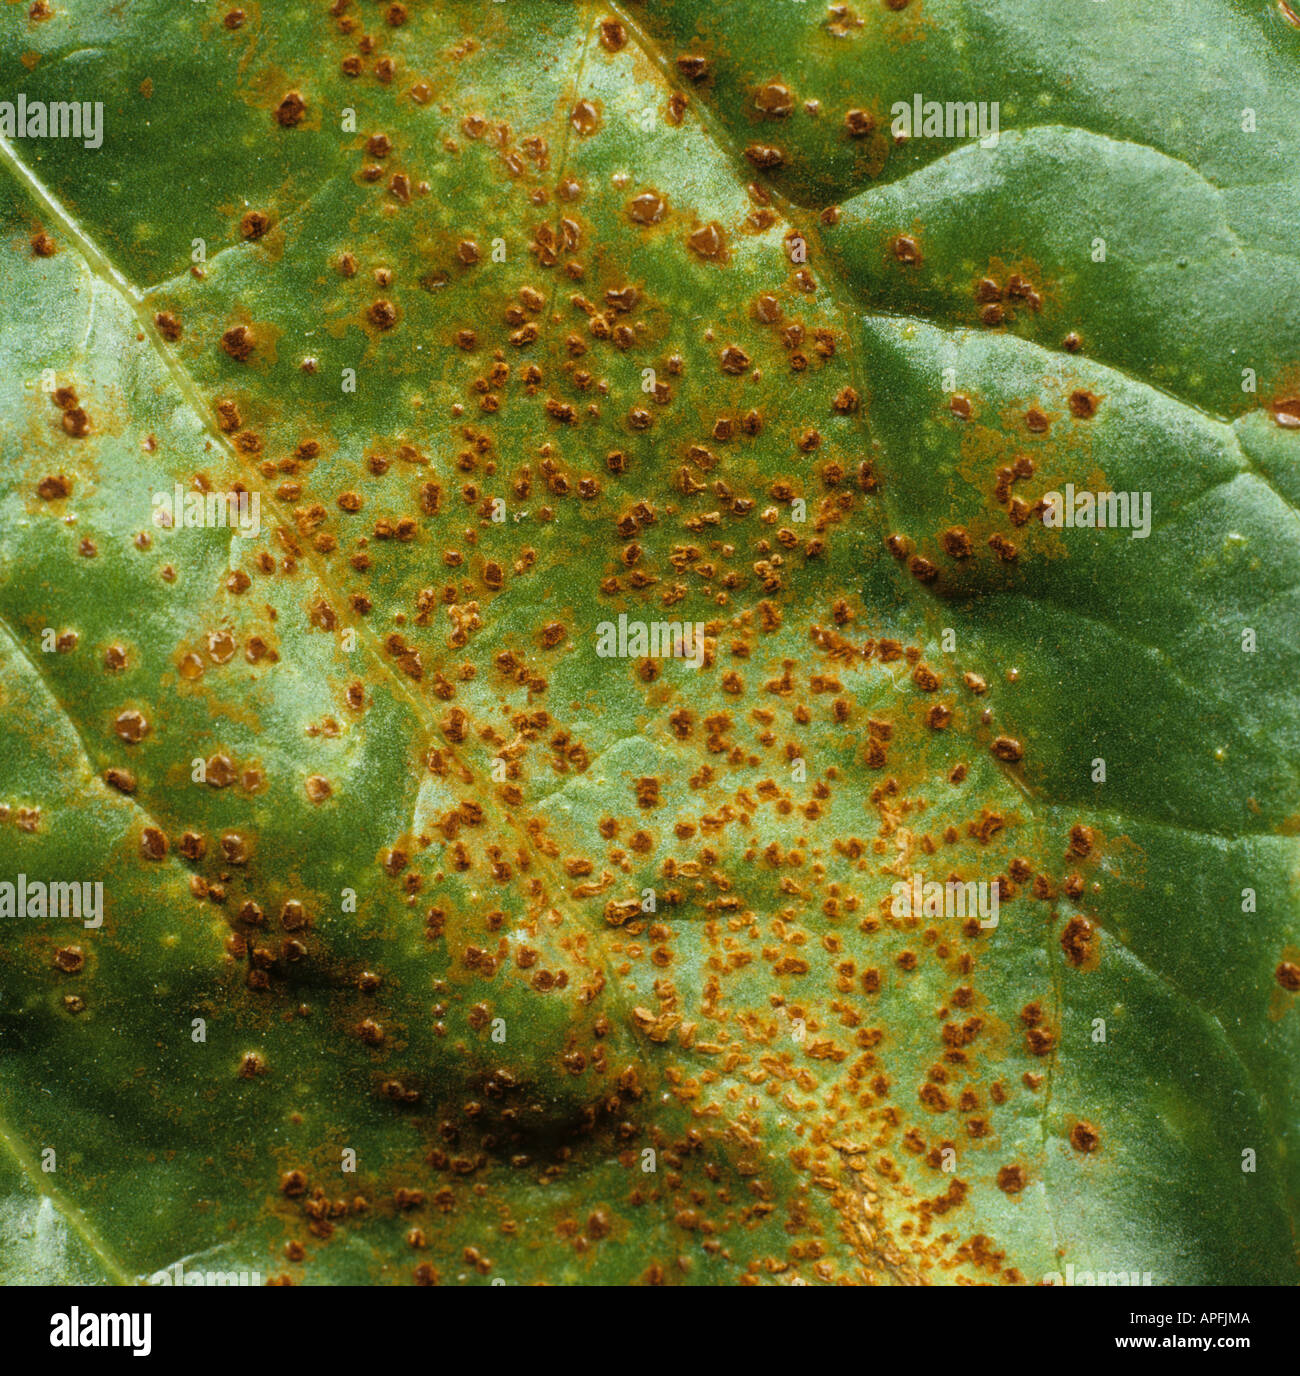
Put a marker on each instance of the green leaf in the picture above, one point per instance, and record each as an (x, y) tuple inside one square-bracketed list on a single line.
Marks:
[(438, 946)]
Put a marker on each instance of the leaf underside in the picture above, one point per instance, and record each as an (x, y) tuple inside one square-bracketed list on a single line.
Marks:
[(401, 919)]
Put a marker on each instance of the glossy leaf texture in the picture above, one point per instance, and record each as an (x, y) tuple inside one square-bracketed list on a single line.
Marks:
[(439, 946)]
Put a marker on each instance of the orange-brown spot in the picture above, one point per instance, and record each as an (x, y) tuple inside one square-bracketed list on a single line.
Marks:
[(1012, 1179), (648, 208), (764, 155), (238, 342), (1084, 1137), (1077, 940), (1287, 413), (709, 241), (290, 111), (70, 959), (859, 123), (905, 248)]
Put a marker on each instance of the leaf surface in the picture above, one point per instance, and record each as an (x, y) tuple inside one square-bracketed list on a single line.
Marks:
[(438, 946)]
